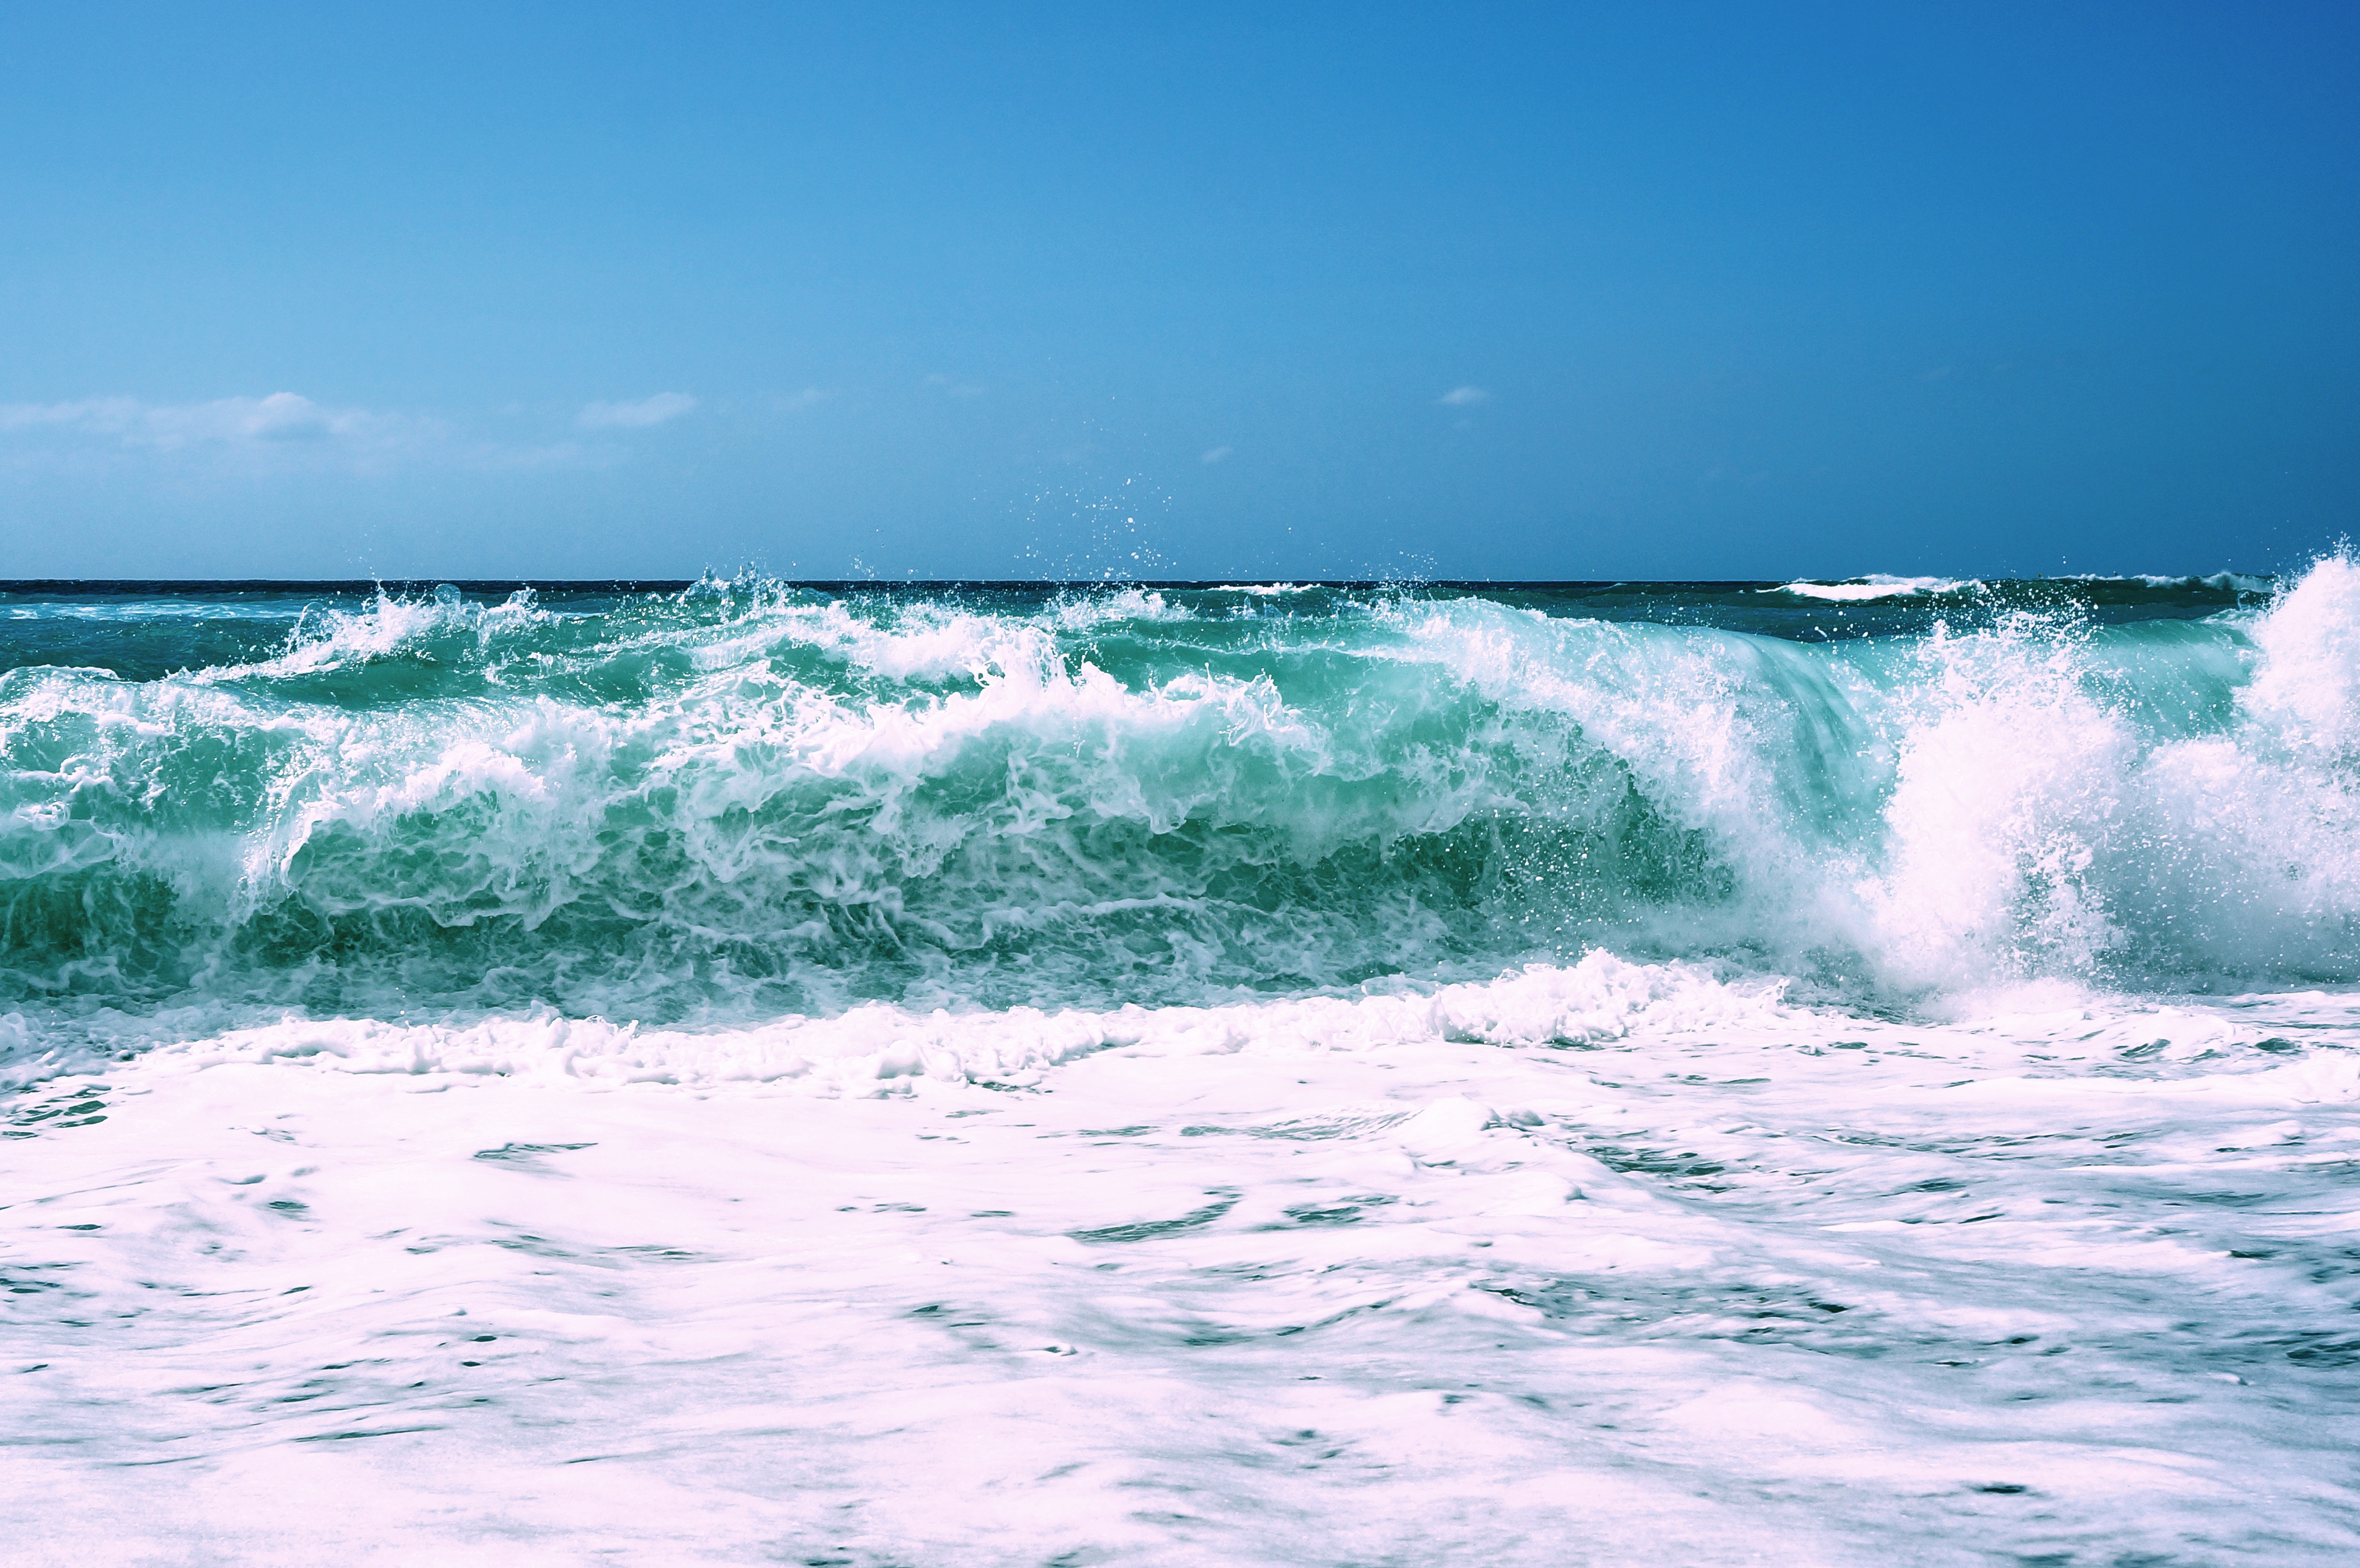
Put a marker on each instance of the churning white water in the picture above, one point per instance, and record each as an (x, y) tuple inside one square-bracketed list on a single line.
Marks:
[(1609, 1092)]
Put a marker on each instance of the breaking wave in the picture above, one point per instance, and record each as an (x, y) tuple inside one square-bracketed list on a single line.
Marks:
[(751, 800)]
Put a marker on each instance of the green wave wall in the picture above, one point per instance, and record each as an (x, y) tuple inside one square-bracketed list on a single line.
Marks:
[(747, 798)]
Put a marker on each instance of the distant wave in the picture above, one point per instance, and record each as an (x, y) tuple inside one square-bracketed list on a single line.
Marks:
[(2230, 581), (1878, 586), (1853, 590)]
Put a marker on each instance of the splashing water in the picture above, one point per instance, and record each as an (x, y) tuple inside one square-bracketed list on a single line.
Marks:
[(1209, 1073), (746, 800)]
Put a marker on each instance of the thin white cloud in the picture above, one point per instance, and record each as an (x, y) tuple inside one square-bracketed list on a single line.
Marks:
[(1463, 397), (955, 388), (285, 431), (655, 410), (280, 418), (810, 398), (1219, 454), (109, 413)]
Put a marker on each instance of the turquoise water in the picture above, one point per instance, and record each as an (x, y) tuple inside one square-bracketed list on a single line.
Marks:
[(1847, 1074), (722, 801)]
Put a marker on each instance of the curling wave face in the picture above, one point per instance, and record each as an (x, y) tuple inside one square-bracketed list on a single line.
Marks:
[(749, 801)]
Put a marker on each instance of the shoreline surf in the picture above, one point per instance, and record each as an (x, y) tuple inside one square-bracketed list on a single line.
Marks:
[(1182, 1073)]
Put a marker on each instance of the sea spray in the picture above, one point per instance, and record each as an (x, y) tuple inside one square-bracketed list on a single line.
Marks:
[(981, 1074), (748, 798)]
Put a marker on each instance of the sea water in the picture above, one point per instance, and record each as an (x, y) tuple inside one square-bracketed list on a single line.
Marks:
[(1838, 1073)]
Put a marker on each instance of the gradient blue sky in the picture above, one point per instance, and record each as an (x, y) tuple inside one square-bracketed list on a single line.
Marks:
[(1194, 290)]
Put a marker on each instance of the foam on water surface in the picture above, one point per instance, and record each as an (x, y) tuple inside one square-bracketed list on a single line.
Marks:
[(1617, 1256), (1186, 1075), (1879, 586)]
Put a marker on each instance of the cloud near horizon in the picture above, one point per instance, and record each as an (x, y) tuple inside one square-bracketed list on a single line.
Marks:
[(1463, 397), (661, 408), (282, 418), (282, 432)]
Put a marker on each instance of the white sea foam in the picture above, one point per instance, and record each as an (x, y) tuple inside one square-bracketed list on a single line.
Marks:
[(1942, 809), (1861, 590), (1907, 1196), (1973, 804), (2236, 581), (331, 638), (1612, 1252)]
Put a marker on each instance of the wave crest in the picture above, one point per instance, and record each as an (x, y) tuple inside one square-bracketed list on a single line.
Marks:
[(750, 800)]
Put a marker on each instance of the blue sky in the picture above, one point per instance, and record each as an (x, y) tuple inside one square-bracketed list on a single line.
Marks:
[(1190, 290)]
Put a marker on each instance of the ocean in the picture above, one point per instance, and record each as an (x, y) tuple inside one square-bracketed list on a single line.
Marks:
[(869, 1073)]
